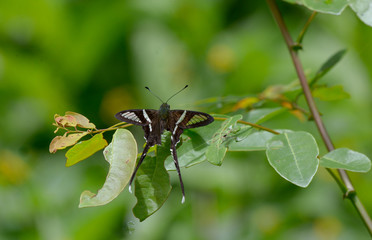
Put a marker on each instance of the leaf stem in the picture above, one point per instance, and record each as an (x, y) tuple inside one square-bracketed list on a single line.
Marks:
[(250, 124), (304, 30), (349, 191)]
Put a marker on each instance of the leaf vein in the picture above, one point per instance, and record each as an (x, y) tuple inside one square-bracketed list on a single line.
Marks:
[(294, 155)]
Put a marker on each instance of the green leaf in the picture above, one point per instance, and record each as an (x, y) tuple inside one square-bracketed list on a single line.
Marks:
[(261, 115), (254, 142), (216, 150), (326, 6), (121, 154), (295, 1), (61, 142), (363, 8), (328, 65), (243, 133), (193, 147), (152, 182), (330, 93), (294, 156), (347, 159), (85, 149)]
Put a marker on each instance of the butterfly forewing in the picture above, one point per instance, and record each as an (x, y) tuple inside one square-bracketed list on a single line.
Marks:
[(148, 119), (140, 117)]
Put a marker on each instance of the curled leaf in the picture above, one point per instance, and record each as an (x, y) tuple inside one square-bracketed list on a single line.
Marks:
[(121, 154), (65, 121), (81, 121), (61, 142)]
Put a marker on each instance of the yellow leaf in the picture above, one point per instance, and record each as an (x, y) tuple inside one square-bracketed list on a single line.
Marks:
[(298, 114), (61, 142), (65, 121), (81, 120), (245, 103)]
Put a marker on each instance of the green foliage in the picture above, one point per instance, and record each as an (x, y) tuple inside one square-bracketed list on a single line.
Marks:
[(334, 93), (361, 7), (217, 148), (121, 154), (254, 142), (85, 149), (263, 114), (294, 156), (152, 182), (328, 65), (347, 159)]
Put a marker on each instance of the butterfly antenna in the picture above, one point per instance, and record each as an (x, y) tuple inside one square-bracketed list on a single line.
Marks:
[(154, 94), (177, 93)]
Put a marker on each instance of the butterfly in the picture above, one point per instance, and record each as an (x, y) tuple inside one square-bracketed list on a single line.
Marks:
[(154, 122)]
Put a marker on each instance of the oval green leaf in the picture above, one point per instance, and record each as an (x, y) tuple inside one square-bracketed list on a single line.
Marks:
[(294, 156), (347, 159), (152, 182), (333, 93), (85, 149), (326, 6), (121, 154), (363, 8), (254, 142), (259, 116)]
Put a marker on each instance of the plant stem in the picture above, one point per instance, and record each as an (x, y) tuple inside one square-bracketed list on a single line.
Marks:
[(304, 30), (349, 191), (250, 124)]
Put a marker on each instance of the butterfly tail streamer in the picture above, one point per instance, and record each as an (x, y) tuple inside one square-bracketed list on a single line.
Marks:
[(175, 159), (145, 150)]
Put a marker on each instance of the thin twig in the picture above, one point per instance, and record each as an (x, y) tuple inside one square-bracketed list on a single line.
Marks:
[(250, 124), (349, 191), (305, 28)]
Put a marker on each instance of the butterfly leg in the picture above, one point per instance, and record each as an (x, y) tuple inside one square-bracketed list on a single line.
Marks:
[(175, 159), (145, 150)]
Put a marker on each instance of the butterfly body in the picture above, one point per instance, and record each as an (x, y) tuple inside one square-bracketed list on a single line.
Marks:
[(155, 122)]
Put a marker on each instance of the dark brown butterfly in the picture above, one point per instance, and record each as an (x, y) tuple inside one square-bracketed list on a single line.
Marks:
[(154, 122)]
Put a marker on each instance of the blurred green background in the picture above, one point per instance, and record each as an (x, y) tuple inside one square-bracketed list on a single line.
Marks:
[(95, 57)]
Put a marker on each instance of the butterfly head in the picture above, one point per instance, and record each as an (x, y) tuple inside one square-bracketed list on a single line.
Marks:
[(165, 108), (164, 111)]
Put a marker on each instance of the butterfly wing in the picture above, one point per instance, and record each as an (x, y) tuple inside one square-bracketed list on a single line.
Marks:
[(184, 119), (147, 118), (135, 116), (177, 122)]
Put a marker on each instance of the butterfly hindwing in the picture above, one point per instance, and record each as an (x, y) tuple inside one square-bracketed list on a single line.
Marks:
[(190, 119), (184, 119)]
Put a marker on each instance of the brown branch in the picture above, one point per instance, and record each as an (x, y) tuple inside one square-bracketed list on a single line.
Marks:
[(349, 191)]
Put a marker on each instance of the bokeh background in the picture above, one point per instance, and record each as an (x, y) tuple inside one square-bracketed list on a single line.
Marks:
[(95, 57)]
